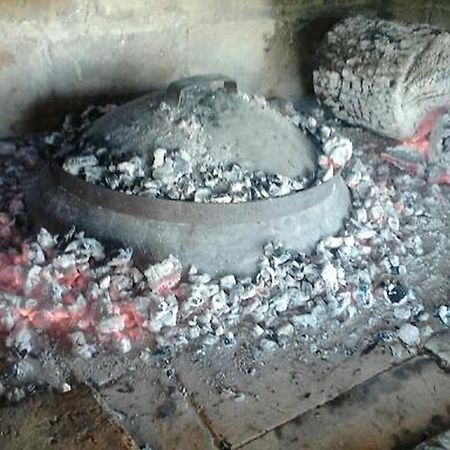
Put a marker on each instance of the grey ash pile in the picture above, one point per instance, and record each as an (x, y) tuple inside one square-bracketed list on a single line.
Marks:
[(176, 175)]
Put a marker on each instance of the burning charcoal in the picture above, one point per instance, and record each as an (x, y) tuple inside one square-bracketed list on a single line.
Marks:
[(250, 306), (45, 239), (396, 292), (423, 316), (105, 282), (65, 261), (7, 147), (33, 279), (363, 295), (444, 314), (104, 300), (16, 395), (361, 215), (198, 278), (122, 258), (285, 330), (330, 276), (333, 242), (36, 254), (93, 174), (223, 199), (402, 313), (257, 331), (110, 325), (159, 156), (210, 340), (121, 282), (80, 346), (163, 313), (180, 175), (409, 334), (267, 345), (193, 332), (217, 327), (85, 248), (281, 302), (164, 276), (134, 167), (339, 150), (22, 338), (228, 282), (75, 164), (229, 338), (219, 303), (124, 344), (417, 245)]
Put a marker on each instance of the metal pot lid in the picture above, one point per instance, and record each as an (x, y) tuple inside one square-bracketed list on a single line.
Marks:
[(207, 114)]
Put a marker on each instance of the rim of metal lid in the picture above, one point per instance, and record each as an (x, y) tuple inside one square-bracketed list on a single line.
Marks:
[(165, 210)]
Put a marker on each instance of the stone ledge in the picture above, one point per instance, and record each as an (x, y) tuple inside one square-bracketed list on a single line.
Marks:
[(396, 409), (439, 346)]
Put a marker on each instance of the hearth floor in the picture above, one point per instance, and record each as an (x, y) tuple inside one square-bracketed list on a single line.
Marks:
[(372, 401)]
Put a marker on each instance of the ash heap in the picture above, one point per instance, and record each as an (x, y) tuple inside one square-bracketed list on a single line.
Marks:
[(175, 175)]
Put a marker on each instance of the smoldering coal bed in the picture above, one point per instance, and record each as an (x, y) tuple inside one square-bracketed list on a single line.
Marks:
[(270, 170)]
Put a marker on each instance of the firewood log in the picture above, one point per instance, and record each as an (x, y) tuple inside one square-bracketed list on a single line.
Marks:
[(389, 77)]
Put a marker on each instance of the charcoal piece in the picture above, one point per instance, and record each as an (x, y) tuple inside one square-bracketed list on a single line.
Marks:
[(7, 147), (409, 334), (440, 138), (438, 169), (443, 313), (396, 292), (386, 76)]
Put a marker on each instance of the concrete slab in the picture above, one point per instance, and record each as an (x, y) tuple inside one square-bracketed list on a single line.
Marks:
[(67, 421), (395, 409), (154, 408), (439, 345), (244, 397)]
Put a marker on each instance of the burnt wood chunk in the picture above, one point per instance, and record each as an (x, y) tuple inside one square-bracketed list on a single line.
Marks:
[(389, 77)]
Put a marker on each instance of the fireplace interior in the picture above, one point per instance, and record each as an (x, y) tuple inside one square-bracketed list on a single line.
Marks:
[(224, 224)]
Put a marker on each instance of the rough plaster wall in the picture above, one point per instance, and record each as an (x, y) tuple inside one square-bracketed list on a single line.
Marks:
[(58, 55)]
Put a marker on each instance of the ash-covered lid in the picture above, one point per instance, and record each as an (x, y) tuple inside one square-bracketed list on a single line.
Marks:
[(207, 114)]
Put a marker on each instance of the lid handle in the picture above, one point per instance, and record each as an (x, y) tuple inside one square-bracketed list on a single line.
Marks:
[(180, 89)]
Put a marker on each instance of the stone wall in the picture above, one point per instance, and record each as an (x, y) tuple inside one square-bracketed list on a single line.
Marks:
[(59, 55)]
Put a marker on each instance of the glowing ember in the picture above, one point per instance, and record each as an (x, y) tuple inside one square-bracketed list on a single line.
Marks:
[(412, 168), (421, 144), (415, 153)]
